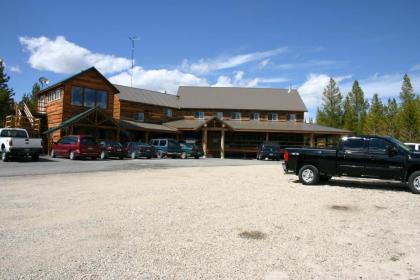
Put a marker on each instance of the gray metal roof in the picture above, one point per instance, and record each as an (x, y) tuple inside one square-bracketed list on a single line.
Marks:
[(268, 99), (147, 96), (135, 125), (277, 126)]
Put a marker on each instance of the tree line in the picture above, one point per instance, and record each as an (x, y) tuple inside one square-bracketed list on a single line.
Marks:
[(397, 118)]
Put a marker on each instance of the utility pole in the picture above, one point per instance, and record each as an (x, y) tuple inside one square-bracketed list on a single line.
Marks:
[(132, 39)]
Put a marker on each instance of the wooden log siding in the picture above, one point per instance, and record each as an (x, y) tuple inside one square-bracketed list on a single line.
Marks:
[(245, 114), (152, 113)]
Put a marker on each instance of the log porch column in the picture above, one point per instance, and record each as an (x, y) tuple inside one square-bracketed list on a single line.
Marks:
[(146, 137), (266, 137), (222, 143), (204, 141), (311, 140)]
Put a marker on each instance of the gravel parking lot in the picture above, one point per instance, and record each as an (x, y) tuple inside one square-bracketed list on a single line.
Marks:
[(225, 222)]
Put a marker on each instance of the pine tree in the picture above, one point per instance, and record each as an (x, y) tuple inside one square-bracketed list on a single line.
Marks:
[(330, 113), (30, 99), (349, 120), (359, 105), (391, 118), (375, 117), (409, 117), (6, 94)]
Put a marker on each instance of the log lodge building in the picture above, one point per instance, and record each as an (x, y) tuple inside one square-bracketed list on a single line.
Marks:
[(223, 121)]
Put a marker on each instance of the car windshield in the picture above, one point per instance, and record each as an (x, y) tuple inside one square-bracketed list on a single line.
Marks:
[(114, 144), (15, 133), (269, 147), (400, 144), (87, 141)]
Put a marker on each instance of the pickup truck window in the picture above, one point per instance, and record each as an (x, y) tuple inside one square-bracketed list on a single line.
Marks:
[(14, 133), (353, 144), (377, 145)]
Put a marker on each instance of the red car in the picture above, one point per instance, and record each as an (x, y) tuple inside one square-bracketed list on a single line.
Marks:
[(76, 146)]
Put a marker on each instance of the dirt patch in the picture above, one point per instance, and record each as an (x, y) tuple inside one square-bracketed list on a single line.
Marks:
[(381, 207), (341, 208), (257, 235)]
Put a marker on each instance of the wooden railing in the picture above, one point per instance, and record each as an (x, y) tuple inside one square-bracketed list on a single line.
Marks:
[(27, 121)]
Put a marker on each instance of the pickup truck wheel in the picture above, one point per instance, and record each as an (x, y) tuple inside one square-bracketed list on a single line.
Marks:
[(4, 156), (309, 175), (414, 182)]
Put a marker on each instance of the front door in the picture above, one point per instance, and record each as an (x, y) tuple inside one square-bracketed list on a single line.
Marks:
[(351, 157), (213, 143)]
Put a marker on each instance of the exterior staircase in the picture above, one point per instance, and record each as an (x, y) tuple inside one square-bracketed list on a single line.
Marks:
[(24, 120)]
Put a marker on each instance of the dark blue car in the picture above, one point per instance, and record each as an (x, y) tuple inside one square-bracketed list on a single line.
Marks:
[(139, 149), (166, 147)]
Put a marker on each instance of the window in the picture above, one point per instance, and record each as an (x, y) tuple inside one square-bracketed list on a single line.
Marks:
[(377, 145), (89, 97), (254, 116), (291, 117), (101, 99), (89, 100), (218, 115), (87, 141), (236, 115), (77, 96), (199, 115), (54, 95), (139, 117), (272, 116), (168, 112), (162, 143), (14, 133), (353, 143)]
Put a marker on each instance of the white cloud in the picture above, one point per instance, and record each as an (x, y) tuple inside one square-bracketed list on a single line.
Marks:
[(311, 90), (61, 56), (238, 80), (264, 63), (204, 66), (415, 67), (158, 79), (15, 69), (387, 85)]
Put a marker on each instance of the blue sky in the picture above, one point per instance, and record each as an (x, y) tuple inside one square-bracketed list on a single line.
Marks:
[(218, 43)]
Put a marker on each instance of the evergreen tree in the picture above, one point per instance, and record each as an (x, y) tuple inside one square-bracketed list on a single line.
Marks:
[(30, 99), (349, 120), (6, 94), (391, 118), (375, 117), (409, 117), (330, 113), (359, 105)]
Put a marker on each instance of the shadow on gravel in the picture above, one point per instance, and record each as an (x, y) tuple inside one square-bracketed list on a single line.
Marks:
[(28, 160), (370, 185)]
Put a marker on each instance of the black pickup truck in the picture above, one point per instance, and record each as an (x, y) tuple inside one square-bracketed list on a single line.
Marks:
[(360, 156)]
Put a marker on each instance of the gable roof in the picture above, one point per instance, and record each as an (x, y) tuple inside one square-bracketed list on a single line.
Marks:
[(268, 99), (78, 74), (147, 96)]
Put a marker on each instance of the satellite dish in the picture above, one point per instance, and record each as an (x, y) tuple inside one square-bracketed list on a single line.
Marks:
[(43, 81)]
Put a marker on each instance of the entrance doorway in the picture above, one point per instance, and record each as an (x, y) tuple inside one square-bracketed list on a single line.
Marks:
[(213, 143)]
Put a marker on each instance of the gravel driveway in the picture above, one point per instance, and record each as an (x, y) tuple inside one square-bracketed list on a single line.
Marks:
[(235, 222)]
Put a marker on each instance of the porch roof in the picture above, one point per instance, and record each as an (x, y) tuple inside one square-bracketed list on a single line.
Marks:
[(143, 126)]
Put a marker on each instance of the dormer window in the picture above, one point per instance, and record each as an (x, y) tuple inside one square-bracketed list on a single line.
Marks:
[(199, 115), (272, 116), (254, 116), (291, 117), (236, 115)]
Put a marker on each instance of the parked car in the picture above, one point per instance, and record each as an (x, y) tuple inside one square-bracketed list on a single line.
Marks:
[(167, 148), (139, 149), (368, 156), (190, 150), (269, 150), (111, 148), (15, 142), (76, 146), (413, 146)]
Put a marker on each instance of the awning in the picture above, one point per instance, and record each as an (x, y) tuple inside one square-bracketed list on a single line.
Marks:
[(195, 124), (144, 126), (83, 115)]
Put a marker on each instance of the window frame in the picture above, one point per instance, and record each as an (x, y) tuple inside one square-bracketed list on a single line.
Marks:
[(136, 115), (270, 118), (218, 115), (199, 115), (96, 92), (168, 112), (253, 114), (289, 119), (234, 115)]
